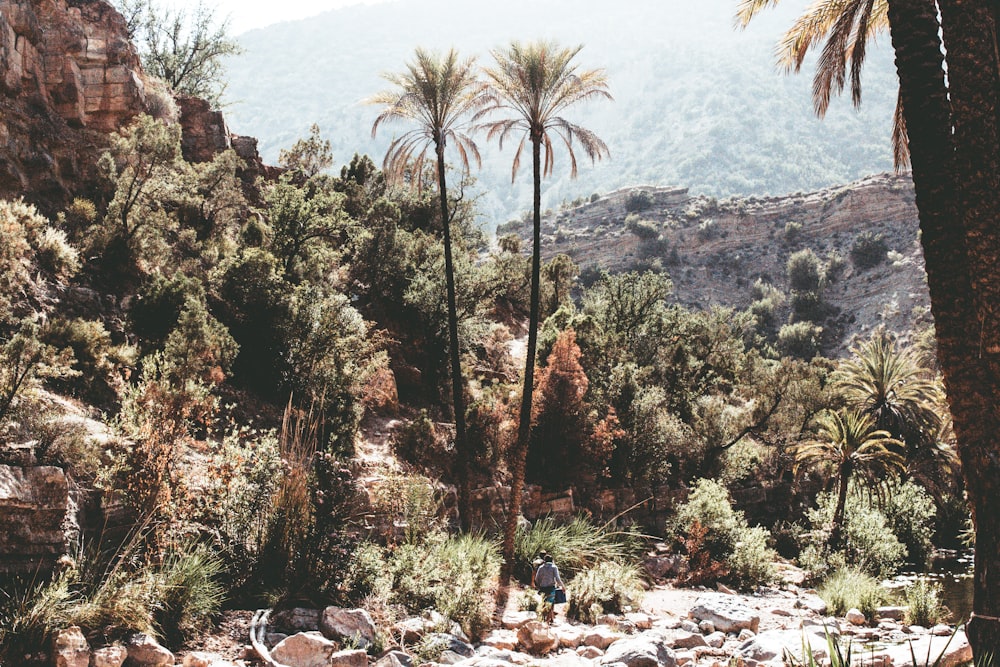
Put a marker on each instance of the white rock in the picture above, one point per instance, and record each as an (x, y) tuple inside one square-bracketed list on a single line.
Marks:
[(515, 619), (601, 636), (640, 620), (589, 652), (394, 659), (202, 659), (717, 639), (351, 658), (501, 639), (942, 630), (746, 634), (570, 636), (144, 651), (928, 648), (812, 602), (304, 649), (726, 612), (892, 612), (706, 627), (109, 656), (70, 648), (689, 626), (684, 657)]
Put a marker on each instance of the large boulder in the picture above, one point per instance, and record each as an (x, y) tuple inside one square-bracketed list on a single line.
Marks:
[(144, 651), (513, 620), (648, 649), (773, 645), (70, 648), (297, 619), (500, 639), (947, 651), (349, 658), (601, 636), (355, 625), (537, 638), (726, 612), (445, 642), (304, 649)]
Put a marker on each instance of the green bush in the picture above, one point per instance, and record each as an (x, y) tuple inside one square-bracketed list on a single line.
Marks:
[(609, 587), (574, 546), (910, 512), (868, 250), (189, 590), (870, 544), (851, 588), (800, 340), (638, 201), (923, 603), (726, 536)]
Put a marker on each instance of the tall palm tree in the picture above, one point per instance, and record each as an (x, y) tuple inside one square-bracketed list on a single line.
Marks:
[(438, 94), (848, 445), (531, 85), (844, 27)]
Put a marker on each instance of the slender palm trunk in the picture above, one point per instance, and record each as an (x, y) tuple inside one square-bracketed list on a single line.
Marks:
[(837, 530), (971, 41), (458, 397), (519, 454), (971, 386)]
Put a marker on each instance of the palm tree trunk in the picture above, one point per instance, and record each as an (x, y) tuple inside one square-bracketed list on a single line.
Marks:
[(837, 530), (973, 80), (457, 389), (971, 390), (519, 454)]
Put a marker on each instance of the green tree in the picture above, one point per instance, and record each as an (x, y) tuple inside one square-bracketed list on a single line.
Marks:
[(437, 93), (185, 50), (848, 445), (532, 85)]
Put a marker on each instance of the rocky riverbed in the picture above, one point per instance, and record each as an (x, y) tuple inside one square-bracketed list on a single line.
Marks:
[(674, 627)]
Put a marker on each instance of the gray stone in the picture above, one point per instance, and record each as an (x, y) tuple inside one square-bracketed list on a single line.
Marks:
[(570, 636), (689, 626), (640, 620), (537, 638), (685, 658), (812, 602), (352, 625), (684, 639), (725, 612), (717, 639), (108, 656), (70, 648), (298, 619), (410, 630), (774, 645), (855, 617), (895, 613), (706, 627), (144, 651), (451, 643), (745, 635), (304, 649), (647, 649), (942, 630)]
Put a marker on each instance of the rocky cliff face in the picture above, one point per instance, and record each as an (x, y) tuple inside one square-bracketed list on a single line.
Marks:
[(714, 250), (68, 77)]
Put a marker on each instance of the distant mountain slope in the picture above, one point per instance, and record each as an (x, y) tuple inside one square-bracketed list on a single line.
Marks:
[(697, 102), (714, 249)]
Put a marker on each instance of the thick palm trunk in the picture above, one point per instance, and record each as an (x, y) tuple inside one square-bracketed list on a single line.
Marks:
[(519, 453), (970, 387), (970, 38), (457, 390)]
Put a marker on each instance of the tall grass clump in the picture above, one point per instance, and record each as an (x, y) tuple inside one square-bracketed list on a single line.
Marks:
[(849, 588), (923, 603), (454, 574), (609, 587), (574, 546)]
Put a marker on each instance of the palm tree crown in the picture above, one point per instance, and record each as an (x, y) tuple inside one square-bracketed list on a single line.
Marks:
[(438, 94), (535, 83), (846, 25)]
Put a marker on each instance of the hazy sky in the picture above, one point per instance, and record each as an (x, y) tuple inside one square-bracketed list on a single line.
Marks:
[(249, 14)]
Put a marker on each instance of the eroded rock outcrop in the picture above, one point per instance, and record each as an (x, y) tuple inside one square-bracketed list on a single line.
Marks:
[(38, 515)]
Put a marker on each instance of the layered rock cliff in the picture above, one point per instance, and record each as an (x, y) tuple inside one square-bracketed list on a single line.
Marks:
[(714, 250), (68, 77)]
